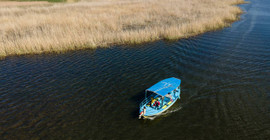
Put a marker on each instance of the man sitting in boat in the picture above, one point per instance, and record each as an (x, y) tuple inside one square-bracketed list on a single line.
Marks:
[(169, 96), (142, 113), (157, 104), (152, 101)]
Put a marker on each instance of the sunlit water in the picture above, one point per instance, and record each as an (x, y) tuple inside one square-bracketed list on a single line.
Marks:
[(94, 94)]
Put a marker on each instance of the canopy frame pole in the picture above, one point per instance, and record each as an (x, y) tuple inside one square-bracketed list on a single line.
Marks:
[(145, 94)]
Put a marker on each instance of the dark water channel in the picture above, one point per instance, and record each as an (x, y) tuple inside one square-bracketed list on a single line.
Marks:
[(94, 94)]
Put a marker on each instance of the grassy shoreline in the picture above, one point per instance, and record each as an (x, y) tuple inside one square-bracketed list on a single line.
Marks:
[(60, 27)]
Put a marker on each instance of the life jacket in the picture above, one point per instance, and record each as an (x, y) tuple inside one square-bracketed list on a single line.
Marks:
[(152, 101)]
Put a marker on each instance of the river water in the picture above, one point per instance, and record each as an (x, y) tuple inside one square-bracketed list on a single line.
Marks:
[(94, 94)]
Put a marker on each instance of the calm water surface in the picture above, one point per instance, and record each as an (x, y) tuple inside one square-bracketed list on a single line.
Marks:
[(94, 94)]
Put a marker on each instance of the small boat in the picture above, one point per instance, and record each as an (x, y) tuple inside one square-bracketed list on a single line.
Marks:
[(160, 97)]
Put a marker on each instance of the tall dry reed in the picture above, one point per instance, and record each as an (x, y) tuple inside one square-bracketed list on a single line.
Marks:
[(96, 23)]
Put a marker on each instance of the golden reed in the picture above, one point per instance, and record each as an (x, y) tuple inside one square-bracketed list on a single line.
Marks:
[(58, 27)]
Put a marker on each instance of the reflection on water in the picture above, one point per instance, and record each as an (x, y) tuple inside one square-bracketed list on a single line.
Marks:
[(94, 94)]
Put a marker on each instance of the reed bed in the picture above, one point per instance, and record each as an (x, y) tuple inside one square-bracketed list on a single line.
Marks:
[(59, 27)]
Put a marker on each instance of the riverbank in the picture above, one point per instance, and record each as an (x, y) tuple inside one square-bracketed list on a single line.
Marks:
[(90, 24)]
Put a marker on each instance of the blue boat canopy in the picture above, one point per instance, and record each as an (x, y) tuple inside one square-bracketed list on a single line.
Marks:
[(165, 86)]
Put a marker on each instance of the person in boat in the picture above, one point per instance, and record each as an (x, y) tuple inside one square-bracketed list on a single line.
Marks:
[(157, 104), (152, 101), (142, 113), (169, 96)]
